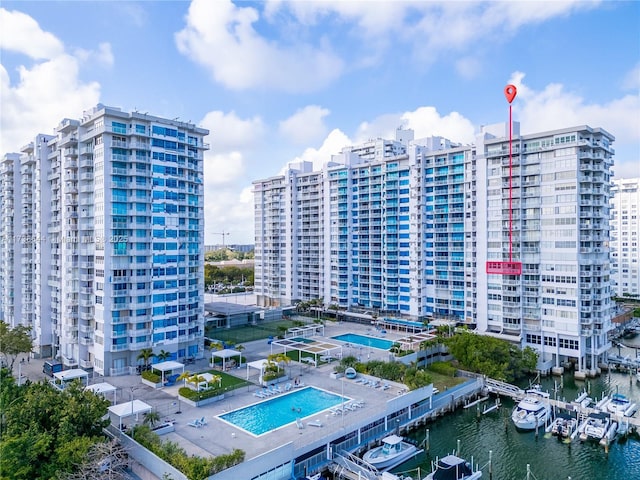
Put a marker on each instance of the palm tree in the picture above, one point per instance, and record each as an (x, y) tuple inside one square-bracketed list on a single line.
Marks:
[(151, 418), (279, 358), (146, 354), (163, 355), (216, 379), (185, 376), (197, 380)]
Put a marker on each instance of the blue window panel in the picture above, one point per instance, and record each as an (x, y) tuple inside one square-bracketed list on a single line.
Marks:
[(404, 308), (405, 289), (158, 337), (404, 280)]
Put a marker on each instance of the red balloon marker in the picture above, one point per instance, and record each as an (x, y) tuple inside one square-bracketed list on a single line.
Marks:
[(510, 92)]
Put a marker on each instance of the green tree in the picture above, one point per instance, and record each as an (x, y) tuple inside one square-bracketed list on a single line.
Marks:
[(491, 356), (151, 418), (146, 354), (163, 355), (47, 432), (14, 341)]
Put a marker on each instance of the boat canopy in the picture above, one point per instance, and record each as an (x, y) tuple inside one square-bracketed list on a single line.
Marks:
[(451, 468)]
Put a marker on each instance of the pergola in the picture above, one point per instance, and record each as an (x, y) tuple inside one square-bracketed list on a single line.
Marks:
[(206, 379), (67, 376), (306, 331), (129, 409), (168, 366), (225, 354), (412, 342), (324, 349), (258, 365), (103, 389)]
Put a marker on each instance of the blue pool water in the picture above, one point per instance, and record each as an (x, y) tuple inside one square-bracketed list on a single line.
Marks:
[(281, 410), (406, 323), (374, 342)]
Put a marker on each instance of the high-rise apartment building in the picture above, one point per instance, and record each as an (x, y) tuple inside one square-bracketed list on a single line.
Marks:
[(625, 237), (111, 232), (408, 227)]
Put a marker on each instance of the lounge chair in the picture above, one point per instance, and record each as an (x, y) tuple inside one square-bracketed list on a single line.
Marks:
[(287, 387), (299, 424), (315, 423), (258, 394), (203, 421), (194, 423)]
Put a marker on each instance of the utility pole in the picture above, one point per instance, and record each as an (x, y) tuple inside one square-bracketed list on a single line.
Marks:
[(224, 234)]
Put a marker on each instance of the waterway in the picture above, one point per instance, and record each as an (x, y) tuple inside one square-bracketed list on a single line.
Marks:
[(512, 450)]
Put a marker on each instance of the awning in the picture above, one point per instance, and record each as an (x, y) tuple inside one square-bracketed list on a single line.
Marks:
[(225, 354), (168, 366), (129, 409), (103, 389)]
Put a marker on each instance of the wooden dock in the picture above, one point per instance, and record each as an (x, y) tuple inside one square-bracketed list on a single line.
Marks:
[(574, 407)]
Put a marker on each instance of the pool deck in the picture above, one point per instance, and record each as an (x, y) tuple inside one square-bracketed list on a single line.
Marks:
[(218, 437)]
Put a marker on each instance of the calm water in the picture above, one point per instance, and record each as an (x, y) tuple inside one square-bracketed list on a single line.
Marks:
[(513, 450), (282, 410), (364, 340)]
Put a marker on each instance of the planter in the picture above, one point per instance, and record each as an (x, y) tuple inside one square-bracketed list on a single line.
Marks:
[(336, 375), (151, 384), (266, 383), (201, 403), (164, 428)]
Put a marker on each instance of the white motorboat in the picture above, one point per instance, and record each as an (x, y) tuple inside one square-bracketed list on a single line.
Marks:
[(618, 404), (596, 426), (564, 425), (452, 467), (393, 451), (532, 411)]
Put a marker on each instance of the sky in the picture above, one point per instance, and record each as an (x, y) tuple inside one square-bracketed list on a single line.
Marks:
[(282, 81)]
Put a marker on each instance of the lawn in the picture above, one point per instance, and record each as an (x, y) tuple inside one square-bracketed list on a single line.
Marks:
[(443, 382)]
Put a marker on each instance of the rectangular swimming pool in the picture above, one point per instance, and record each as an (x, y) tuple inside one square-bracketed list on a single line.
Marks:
[(374, 342), (281, 410)]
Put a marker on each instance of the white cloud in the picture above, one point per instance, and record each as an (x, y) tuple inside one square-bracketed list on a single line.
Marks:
[(306, 126), (103, 56), (22, 34), (469, 67), (431, 28), (425, 122), (229, 132), (222, 169), (229, 210), (631, 81), (332, 144), (44, 95), (227, 207), (555, 107), (46, 91), (220, 36)]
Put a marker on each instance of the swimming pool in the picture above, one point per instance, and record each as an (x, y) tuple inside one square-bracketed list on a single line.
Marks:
[(405, 323), (374, 342), (282, 410)]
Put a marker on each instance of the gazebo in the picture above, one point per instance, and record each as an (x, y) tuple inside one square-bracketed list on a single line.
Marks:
[(168, 366), (103, 389), (61, 379), (258, 364), (129, 409), (225, 354)]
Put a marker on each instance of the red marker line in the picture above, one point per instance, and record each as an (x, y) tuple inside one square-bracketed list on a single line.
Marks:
[(510, 92)]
